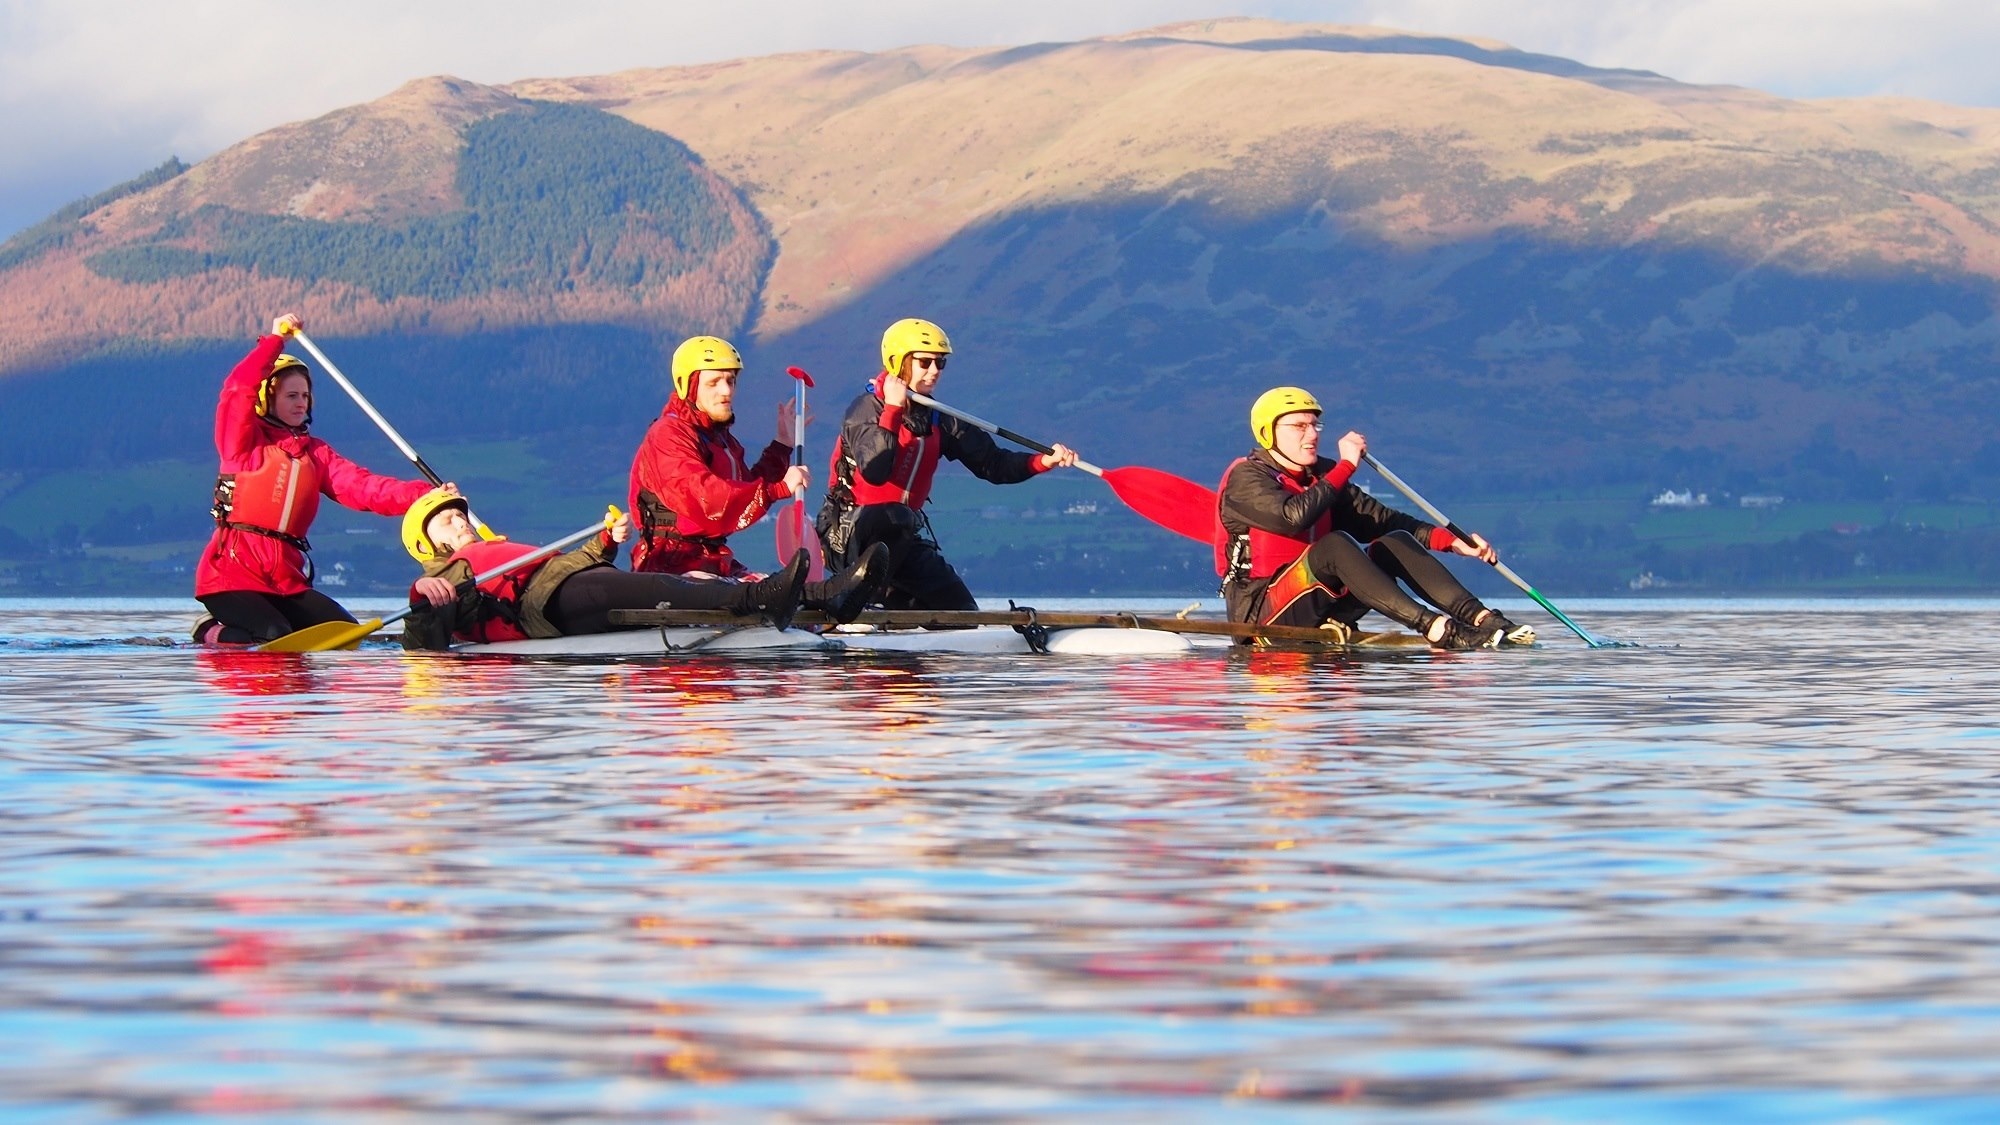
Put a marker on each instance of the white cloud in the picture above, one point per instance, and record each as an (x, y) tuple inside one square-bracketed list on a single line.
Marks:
[(95, 91)]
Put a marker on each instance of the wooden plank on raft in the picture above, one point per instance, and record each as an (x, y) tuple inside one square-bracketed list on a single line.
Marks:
[(1054, 619)]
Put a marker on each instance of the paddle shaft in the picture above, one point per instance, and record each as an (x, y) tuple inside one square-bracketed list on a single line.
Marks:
[(1001, 431), (368, 408), (1506, 571)]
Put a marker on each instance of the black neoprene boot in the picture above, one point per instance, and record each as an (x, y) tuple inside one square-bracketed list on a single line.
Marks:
[(844, 595), (1447, 632), (1510, 633), (776, 597)]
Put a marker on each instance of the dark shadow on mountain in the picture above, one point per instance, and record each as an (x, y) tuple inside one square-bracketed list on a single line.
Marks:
[(1508, 58)]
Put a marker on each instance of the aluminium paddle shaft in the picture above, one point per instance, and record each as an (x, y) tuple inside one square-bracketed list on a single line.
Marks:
[(1001, 431), (1506, 571), (368, 408)]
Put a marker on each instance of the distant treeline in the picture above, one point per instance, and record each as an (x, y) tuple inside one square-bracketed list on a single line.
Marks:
[(58, 229), (554, 195)]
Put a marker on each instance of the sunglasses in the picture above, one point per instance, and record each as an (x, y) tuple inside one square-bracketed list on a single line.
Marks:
[(936, 361)]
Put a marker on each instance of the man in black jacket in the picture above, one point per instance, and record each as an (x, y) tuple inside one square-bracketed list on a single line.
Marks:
[(1300, 545), (885, 460)]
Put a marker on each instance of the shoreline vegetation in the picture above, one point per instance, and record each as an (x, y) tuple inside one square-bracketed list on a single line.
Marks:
[(1061, 538)]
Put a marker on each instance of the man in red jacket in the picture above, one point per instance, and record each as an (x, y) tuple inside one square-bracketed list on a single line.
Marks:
[(1296, 544), (690, 487), (255, 577)]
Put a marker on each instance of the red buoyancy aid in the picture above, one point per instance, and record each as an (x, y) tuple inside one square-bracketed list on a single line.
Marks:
[(1270, 552), (281, 494), (506, 590), (915, 467)]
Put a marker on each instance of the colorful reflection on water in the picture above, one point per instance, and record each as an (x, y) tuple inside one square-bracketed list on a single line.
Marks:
[(1748, 870)]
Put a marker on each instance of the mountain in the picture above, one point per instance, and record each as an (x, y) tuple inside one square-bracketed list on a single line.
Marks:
[(1524, 277)]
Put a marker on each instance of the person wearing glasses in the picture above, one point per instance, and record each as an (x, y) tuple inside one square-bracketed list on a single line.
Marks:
[(1300, 545), (884, 461)]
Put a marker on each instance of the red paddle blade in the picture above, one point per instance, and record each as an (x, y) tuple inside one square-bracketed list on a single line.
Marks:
[(799, 373), (809, 537), (793, 533), (1175, 503)]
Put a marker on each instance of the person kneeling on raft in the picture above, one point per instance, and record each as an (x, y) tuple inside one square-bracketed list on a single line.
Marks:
[(1292, 530), (255, 577), (574, 593), (886, 458)]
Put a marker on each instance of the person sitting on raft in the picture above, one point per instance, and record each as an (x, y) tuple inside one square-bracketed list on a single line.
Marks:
[(885, 459), (255, 577), (690, 487), (572, 593), (1291, 534)]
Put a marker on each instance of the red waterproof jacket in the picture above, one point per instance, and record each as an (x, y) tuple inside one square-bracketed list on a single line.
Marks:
[(236, 559), (690, 491)]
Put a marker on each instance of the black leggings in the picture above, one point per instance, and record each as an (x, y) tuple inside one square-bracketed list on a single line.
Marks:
[(1371, 575), (919, 575), (250, 617), (584, 601)]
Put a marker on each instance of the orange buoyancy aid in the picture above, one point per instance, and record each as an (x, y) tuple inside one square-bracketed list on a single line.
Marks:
[(281, 495), (1259, 553)]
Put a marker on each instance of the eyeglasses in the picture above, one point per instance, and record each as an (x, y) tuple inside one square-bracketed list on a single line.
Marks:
[(1302, 426), (936, 361)]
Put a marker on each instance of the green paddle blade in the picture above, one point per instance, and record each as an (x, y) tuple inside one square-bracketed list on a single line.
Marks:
[(323, 637)]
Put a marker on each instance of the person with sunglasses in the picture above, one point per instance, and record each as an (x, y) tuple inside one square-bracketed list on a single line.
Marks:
[(1298, 544), (884, 462)]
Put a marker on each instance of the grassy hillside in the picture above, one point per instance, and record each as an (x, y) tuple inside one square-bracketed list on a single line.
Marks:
[(1545, 290)]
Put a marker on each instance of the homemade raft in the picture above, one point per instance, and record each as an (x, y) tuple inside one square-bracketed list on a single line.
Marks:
[(657, 632)]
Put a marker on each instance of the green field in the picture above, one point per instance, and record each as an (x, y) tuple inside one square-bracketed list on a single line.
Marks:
[(139, 530)]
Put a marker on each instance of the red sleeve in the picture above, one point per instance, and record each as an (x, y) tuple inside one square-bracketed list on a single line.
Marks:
[(670, 466), (238, 430), (349, 484), (1442, 539), (1340, 474)]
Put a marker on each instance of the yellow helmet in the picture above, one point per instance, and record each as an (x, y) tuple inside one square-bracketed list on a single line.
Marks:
[(911, 335), (1275, 404), (702, 353), (416, 539), (268, 389)]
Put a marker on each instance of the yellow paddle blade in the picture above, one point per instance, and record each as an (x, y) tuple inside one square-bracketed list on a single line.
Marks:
[(323, 637)]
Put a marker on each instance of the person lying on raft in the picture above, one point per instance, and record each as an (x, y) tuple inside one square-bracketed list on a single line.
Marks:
[(1299, 545), (886, 459), (574, 593), (255, 577)]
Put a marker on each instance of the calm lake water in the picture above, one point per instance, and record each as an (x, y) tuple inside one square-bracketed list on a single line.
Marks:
[(1750, 871)]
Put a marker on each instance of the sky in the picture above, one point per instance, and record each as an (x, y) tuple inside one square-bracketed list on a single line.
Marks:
[(93, 92)]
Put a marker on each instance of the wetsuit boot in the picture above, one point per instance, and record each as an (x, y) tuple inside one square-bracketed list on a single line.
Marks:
[(844, 595), (776, 597), (1488, 620), (1444, 631)]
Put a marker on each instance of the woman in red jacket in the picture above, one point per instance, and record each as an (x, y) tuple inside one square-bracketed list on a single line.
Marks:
[(255, 576)]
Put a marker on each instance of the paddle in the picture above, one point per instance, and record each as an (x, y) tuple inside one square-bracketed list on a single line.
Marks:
[(1444, 521), (368, 408), (1175, 503), (328, 635), (792, 533)]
